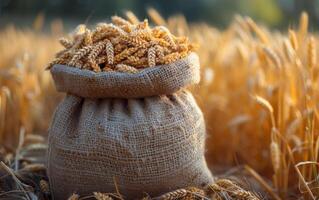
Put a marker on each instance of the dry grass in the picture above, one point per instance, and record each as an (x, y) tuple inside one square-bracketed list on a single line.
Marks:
[(259, 93)]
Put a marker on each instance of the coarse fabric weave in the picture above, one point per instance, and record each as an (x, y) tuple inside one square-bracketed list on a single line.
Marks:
[(142, 132)]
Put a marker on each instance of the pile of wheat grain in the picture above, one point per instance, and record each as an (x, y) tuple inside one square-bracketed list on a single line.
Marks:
[(124, 46)]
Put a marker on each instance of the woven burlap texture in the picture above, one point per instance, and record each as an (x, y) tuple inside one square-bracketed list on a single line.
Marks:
[(143, 132)]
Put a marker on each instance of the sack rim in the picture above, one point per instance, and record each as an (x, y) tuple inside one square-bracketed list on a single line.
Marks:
[(151, 81)]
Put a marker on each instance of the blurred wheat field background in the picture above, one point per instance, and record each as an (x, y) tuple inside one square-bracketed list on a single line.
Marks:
[(259, 93)]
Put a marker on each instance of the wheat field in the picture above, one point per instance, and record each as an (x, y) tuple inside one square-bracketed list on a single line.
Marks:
[(259, 93)]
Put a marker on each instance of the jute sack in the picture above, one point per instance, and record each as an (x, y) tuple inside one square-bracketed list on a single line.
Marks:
[(143, 132)]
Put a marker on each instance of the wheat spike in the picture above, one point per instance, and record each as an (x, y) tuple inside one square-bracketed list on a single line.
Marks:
[(119, 21), (168, 38), (74, 197), (54, 62), (159, 51), (170, 58), (135, 41), (275, 156), (293, 39), (79, 54), (155, 16), (78, 42), (99, 35), (288, 50), (151, 55), (263, 102), (44, 186), (87, 38), (180, 193), (115, 29), (243, 195), (194, 193), (142, 34), (109, 52), (303, 26), (311, 53), (125, 68), (124, 54), (131, 17), (232, 189), (101, 196), (94, 53), (107, 69), (136, 62), (261, 35), (272, 56), (141, 52), (66, 43), (142, 25)]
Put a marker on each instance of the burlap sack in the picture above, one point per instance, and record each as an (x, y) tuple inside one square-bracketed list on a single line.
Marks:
[(142, 132)]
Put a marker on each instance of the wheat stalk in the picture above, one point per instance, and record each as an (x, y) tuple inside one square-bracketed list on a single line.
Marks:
[(180, 193)]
